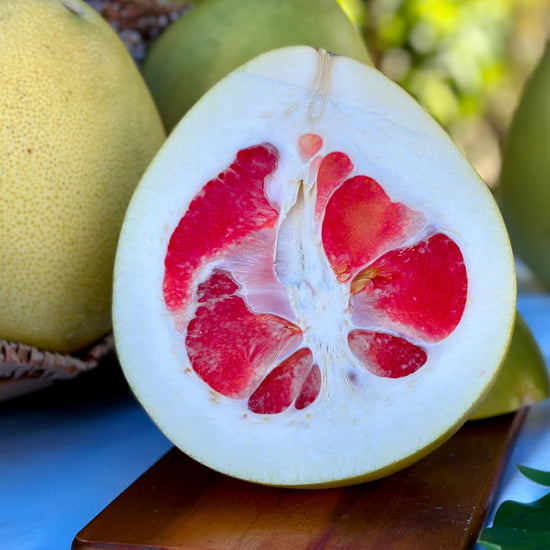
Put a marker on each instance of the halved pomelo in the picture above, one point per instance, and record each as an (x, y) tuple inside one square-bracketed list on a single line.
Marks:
[(313, 287)]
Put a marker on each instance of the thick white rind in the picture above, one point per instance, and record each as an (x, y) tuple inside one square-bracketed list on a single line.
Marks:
[(344, 434)]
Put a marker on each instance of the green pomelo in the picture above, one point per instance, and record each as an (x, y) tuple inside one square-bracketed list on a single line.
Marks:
[(522, 380), (218, 36), (524, 187)]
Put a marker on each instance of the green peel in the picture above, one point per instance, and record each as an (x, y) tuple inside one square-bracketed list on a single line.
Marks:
[(522, 380), (219, 36), (524, 188)]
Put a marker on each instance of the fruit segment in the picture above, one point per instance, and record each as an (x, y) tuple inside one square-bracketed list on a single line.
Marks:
[(230, 347), (361, 222), (229, 208), (282, 385), (385, 354), (310, 388), (419, 290), (369, 284), (309, 145), (333, 170)]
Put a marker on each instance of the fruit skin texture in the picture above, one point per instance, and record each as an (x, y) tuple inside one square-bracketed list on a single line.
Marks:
[(218, 36), (522, 379), (77, 129), (360, 426), (524, 187)]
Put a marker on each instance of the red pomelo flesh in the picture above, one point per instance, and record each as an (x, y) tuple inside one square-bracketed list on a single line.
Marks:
[(333, 170), (283, 385), (241, 185), (312, 286), (231, 348), (361, 222), (420, 289), (385, 354)]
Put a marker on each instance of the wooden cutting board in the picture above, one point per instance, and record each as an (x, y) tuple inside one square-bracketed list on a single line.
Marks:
[(441, 501)]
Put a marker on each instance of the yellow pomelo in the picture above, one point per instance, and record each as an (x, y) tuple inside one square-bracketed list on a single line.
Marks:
[(77, 129), (524, 187), (218, 36), (522, 379)]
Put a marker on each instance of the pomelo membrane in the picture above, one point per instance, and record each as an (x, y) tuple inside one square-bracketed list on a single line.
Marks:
[(313, 287)]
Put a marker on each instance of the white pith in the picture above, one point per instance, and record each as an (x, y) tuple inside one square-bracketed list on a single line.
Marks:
[(317, 300), (352, 429)]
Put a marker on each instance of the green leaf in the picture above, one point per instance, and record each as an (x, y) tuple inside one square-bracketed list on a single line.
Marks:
[(538, 476), (489, 545), (533, 516), (518, 525), (510, 538)]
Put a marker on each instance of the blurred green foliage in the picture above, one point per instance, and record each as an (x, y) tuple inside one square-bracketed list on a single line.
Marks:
[(449, 54), (465, 61)]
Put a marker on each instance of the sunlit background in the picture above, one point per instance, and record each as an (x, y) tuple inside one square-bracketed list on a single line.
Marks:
[(465, 61)]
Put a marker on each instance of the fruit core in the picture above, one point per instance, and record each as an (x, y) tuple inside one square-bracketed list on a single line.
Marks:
[(271, 290)]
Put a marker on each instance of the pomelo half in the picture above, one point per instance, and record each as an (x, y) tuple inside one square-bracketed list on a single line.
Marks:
[(313, 287)]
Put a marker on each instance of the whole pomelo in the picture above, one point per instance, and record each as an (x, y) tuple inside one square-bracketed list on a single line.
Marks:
[(522, 380), (77, 129), (524, 186), (217, 36), (324, 285)]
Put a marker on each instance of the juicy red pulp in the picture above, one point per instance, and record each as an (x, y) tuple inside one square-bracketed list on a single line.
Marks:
[(227, 278)]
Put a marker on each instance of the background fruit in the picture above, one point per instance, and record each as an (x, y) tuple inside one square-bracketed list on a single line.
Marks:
[(356, 10), (315, 264), (77, 129), (524, 186), (217, 36), (522, 379)]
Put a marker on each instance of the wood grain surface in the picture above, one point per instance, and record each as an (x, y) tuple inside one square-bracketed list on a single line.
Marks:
[(441, 502)]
